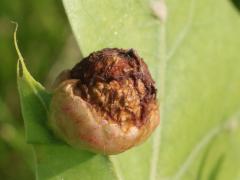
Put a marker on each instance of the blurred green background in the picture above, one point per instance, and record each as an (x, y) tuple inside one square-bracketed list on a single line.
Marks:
[(44, 37)]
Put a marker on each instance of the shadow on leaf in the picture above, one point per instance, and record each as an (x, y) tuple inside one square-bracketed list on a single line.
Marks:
[(236, 3), (216, 168), (203, 162)]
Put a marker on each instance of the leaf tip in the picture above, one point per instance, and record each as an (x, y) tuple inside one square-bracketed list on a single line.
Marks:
[(20, 64), (15, 41)]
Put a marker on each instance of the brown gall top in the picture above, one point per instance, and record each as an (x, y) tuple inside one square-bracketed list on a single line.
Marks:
[(117, 83), (106, 103)]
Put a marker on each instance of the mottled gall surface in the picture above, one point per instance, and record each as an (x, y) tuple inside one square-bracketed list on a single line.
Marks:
[(118, 95)]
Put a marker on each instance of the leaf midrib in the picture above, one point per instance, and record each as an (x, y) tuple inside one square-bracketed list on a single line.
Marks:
[(164, 57)]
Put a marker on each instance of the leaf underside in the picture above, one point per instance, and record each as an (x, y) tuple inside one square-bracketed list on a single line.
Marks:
[(195, 52)]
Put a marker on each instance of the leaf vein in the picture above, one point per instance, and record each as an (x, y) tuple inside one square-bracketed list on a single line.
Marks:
[(229, 124), (183, 33)]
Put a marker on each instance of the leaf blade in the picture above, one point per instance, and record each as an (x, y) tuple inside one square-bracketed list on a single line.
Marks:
[(54, 159), (32, 93), (200, 80), (128, 24)]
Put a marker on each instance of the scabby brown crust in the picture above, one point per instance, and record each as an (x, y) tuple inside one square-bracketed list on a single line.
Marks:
[(117, 83), (106, 103)]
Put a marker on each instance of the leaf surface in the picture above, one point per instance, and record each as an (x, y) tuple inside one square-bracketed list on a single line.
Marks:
[(194, 57), (54, 159), (195, 61), (128, 24)]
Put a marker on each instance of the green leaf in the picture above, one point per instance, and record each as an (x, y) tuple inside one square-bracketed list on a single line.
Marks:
[(34, 102), (54, 159), (195, 56), (202, 90), (113, 23), (128, 24), (63, 162)]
